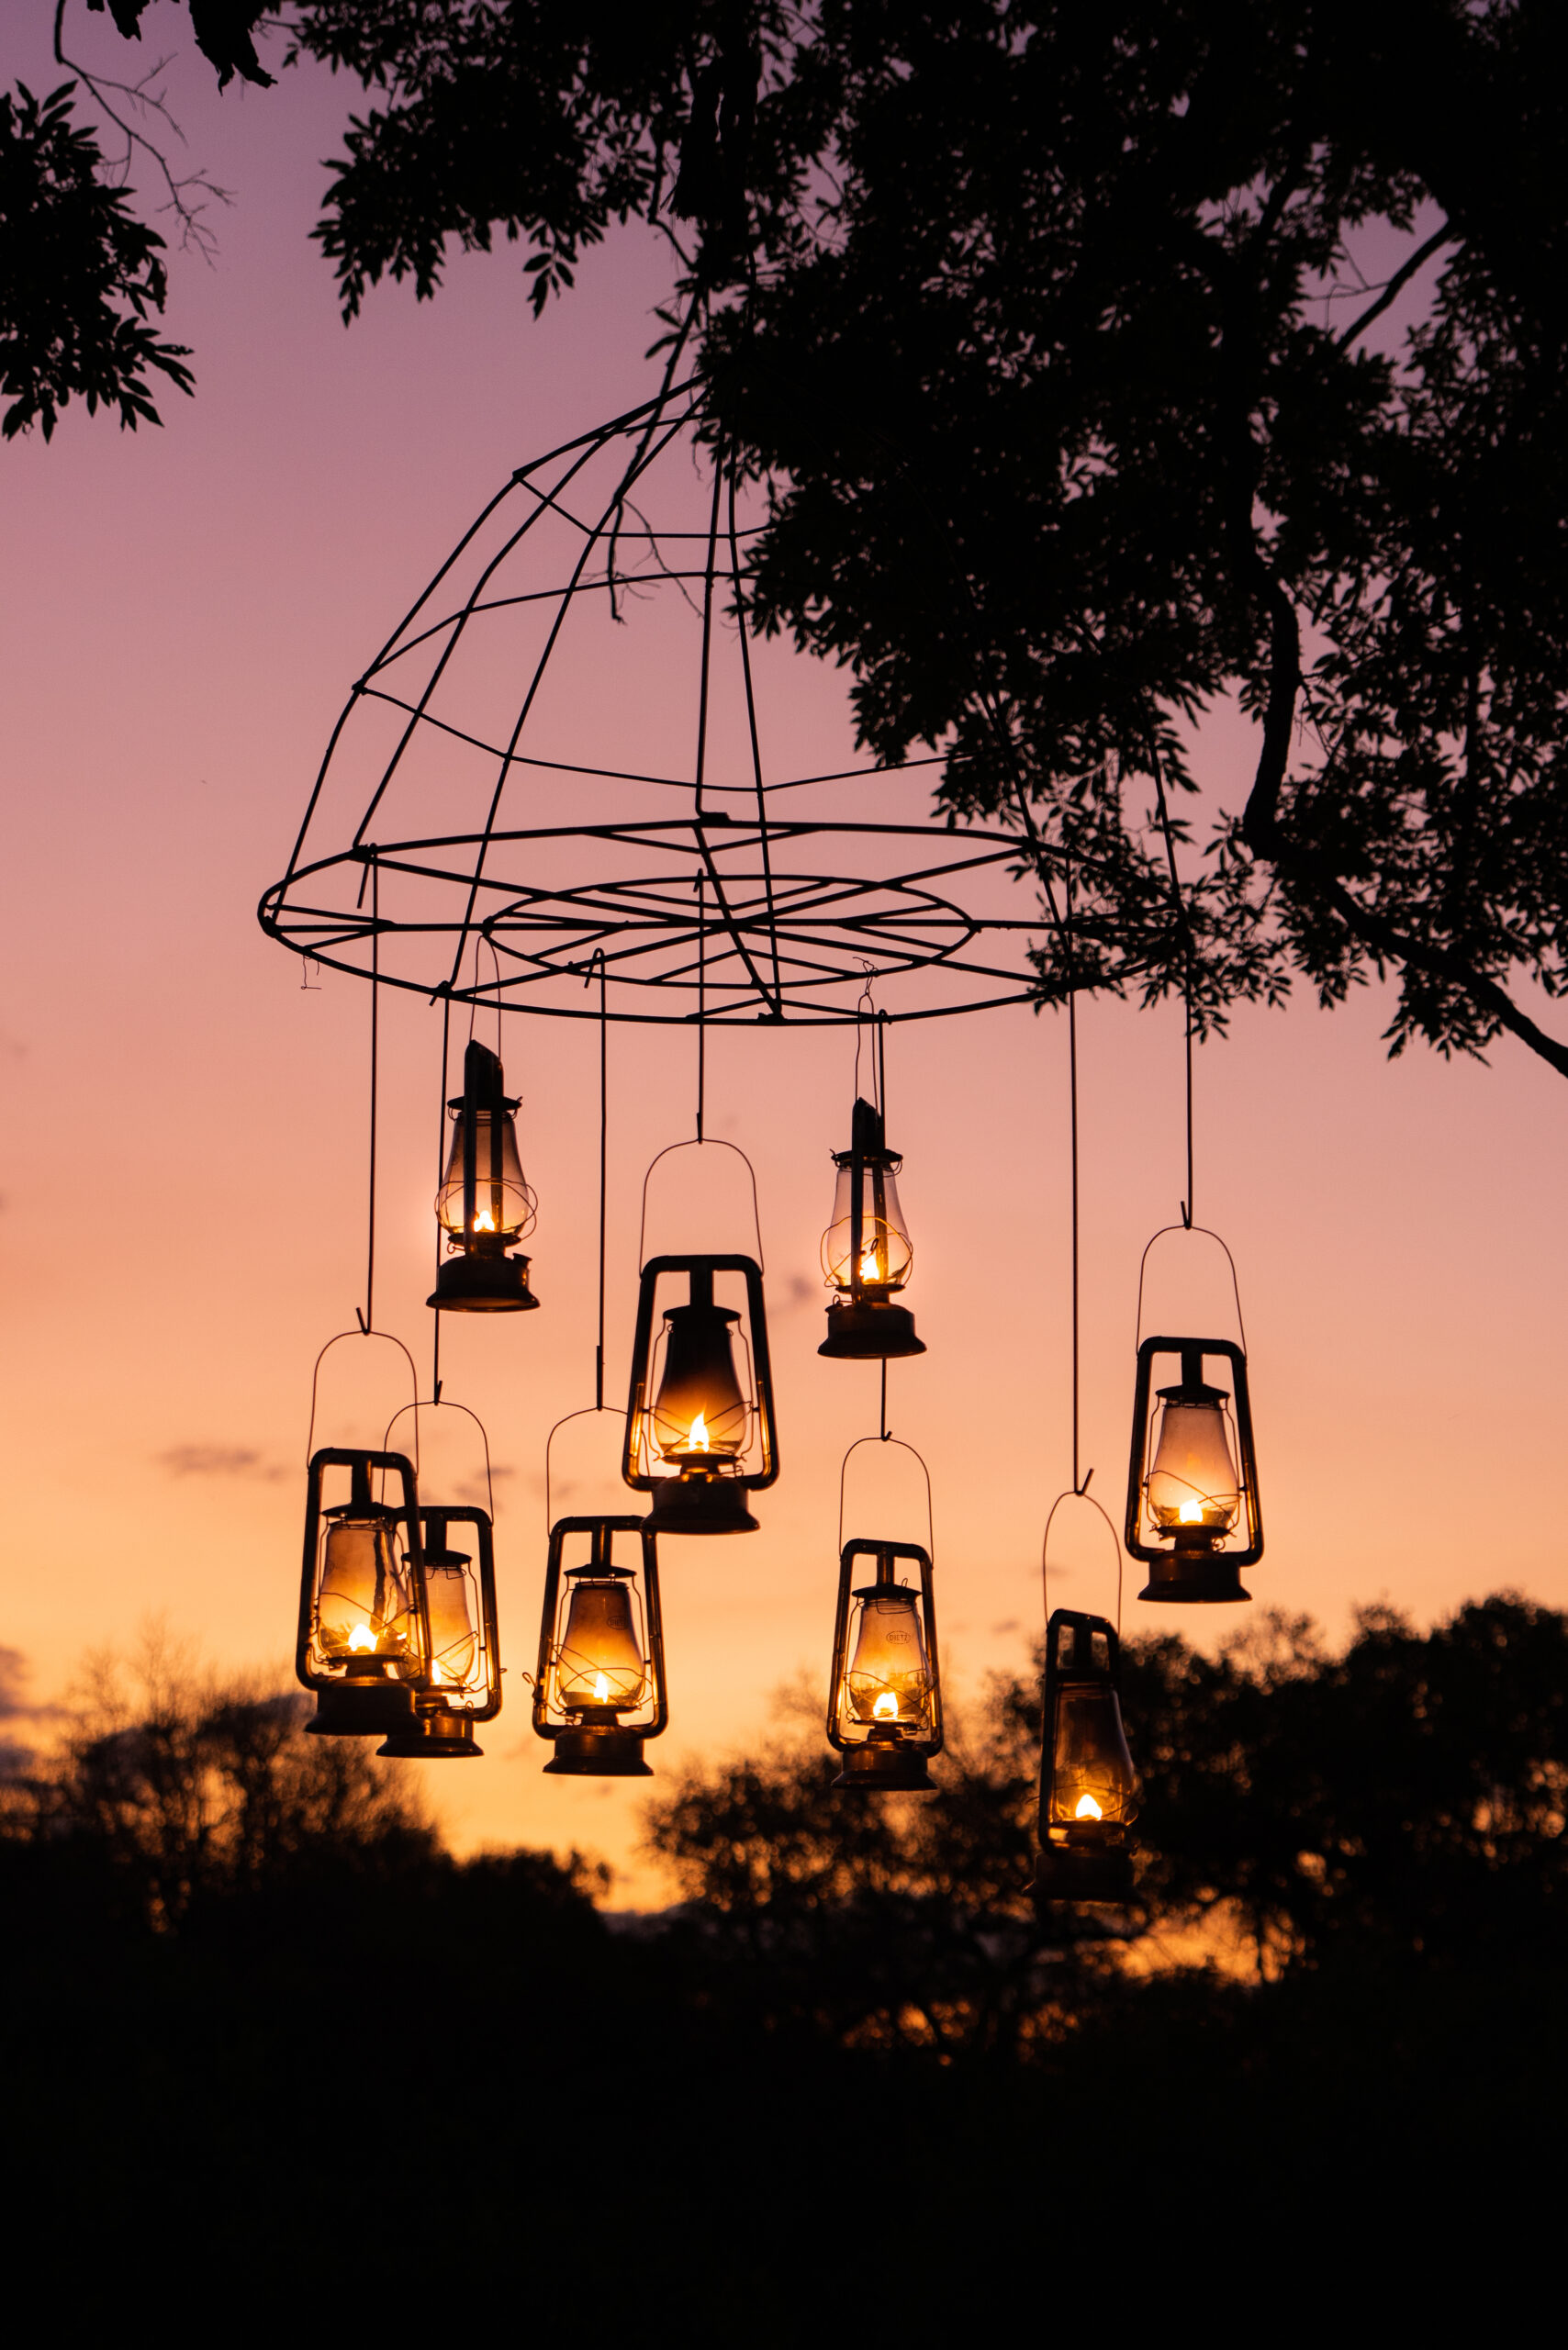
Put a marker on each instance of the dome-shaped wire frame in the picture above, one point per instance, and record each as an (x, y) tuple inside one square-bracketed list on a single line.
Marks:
[(558, 753)]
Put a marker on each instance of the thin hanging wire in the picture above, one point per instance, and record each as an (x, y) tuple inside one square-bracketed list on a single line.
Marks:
[(440, 1175), (1080, 1483), (598, 957), (367, 1319), (701, 1001), (765, 843), (1185, 927)]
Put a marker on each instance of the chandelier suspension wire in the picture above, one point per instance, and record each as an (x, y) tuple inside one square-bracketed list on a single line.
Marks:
[(1185, 927), (763, 842), (440, 1176), (1080, 1484), (373, 872), (598, 957)]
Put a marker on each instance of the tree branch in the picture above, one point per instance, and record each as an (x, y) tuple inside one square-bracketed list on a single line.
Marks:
[(1395, 286)]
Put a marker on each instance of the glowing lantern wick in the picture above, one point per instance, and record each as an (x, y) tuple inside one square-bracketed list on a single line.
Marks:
[(869, 1265), (698, 1441), (1190, 1514), (484, 1221), (601, 1688), (361, 1638), (885, 1708), (1088, 1808)]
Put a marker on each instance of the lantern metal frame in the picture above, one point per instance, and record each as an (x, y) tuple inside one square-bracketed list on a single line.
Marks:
[(365, 1699), (686, 1502), (612, 1749), (887, 1758), (475, 1274), (1089, 1860), (442, 1724), (1194, 1565), (867, 1325)]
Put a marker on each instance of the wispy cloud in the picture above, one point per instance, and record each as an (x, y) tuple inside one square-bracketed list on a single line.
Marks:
[(219, 1460)]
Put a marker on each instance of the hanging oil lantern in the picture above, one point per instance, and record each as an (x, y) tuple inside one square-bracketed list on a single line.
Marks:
[(1192, 1484), (364, 1630), (484, 1206), (884, 1714), (865, 1250), (599, 1691), (700, 1421), (1088, 1791), (462, 1679)]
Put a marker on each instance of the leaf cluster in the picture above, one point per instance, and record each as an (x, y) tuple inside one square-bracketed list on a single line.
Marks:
[(81, 276)]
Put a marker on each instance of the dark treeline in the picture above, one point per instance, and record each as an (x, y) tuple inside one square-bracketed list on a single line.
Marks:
[(253, 2005)]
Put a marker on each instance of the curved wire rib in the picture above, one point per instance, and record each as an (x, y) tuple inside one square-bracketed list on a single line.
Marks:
[(768, 900)]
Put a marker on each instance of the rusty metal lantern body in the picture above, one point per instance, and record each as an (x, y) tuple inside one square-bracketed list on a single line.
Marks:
[(463, 1678), (484, 1206), (1193, 1480), (866, 1251), (599, 1691), (363, 1635), (703, 1414), (1088, 1791), (884, 1714)]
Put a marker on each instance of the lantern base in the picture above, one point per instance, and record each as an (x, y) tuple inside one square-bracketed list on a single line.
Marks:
[(1194, 1577), (467, 1282), (701, 1505), (361, 1708), (597, 1755), (1083, 1872), (872, 1330), (897, 1769), (433, 1737)]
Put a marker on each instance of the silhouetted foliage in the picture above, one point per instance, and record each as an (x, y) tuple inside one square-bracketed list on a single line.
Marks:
[(242, 1984), (80, 275), (1055, 332)]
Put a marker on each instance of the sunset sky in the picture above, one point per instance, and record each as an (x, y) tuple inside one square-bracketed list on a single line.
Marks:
[(184, 1177)]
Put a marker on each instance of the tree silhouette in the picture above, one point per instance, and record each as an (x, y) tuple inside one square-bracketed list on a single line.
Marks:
[(1067, 341)]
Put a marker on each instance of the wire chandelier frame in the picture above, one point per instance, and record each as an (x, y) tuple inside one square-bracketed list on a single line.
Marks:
[(519, 770)]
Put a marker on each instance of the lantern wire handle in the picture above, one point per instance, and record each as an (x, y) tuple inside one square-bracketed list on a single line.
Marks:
[(385, 1336), (703, 1142), (930, 1519), (435, 1404), (1077, 1495), (1201, 1232), (588, 1412)]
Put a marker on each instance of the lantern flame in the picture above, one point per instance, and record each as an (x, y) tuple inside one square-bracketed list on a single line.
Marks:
[(885, 1708), (1088, 1808), (1190, 1514), (484, 1221), (601, 1688), (868, 1272), (698, 1439), (362, 1639)]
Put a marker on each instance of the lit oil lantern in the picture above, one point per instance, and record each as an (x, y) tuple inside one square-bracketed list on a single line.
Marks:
[(484, 1205), (885, 1698), (1191, 1487), (463, 1681), (865, 1250), (363, 1632), (1087, 1787), (599, 1691), (700, 1424)]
